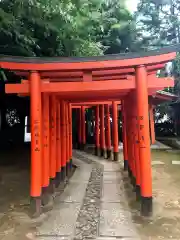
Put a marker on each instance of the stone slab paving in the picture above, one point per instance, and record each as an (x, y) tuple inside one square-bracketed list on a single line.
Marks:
[(62, 221), (157, 163), (115, 221), (176, 162), (159, 145), (93, 205), (73, 193), (109, 167), (114, 238), (115, 217), (112, 177), (112, 192)]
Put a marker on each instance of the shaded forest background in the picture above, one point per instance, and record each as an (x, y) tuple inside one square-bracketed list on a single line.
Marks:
[(92, 27)]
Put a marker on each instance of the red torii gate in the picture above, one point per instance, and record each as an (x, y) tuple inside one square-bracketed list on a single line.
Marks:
[(53, 84), (154, 100), (104, 138)]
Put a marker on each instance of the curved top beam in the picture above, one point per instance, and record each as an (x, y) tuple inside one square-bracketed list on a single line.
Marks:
[(90, 63), (97, 73)]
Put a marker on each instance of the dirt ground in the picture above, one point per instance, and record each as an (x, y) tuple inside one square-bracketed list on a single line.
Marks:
[(14, 189), (164, 224)]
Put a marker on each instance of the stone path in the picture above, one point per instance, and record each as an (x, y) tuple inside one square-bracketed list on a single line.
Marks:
[(157, 146), (93, 205), (176, 162)]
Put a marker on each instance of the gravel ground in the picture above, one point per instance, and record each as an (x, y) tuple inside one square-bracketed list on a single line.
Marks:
[(87, 225)]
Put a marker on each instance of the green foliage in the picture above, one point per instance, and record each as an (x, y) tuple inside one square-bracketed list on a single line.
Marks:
[(158, 22), (63, 28), (42, 28), (158, 25), (117, 28)]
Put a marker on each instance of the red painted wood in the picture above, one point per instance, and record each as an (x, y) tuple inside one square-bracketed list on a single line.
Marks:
[(90, 65), (95, 73)]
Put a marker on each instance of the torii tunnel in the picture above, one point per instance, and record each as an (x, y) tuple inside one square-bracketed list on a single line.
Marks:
[(57, 85)]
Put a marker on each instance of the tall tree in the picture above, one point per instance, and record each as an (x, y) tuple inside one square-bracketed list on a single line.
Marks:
[(158, 25), (64, 28), (44, 28), (158, 22), (117, 27)]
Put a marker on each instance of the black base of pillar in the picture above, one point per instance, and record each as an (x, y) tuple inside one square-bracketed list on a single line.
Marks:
[(102, 152), (70, 164), (35, 207), (82, 146), (96, 151), (63, 173), (57, 179), (52, 186), (133, 181), (116, 156), (76, 145), (138, 193), (125, 165), (70, 167), (67, 169), (146, 206), (129, 172), (108, 154), (79, 146), (47, 199)]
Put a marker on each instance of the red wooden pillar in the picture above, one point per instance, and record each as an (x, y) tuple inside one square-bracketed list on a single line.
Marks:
[(133, 135), (58, 143), (124, 133), (131, 129), (67, 133), (53, 140), (70, 134), (108, 131), (102, 131), (151, 119), (83, 127), (129, 137), (97, 136), (80, 128), (45, 127), (115, 130), (137, 182), (36, 142), (144, 140), (126, 104), (67, 141), (63, 141)]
